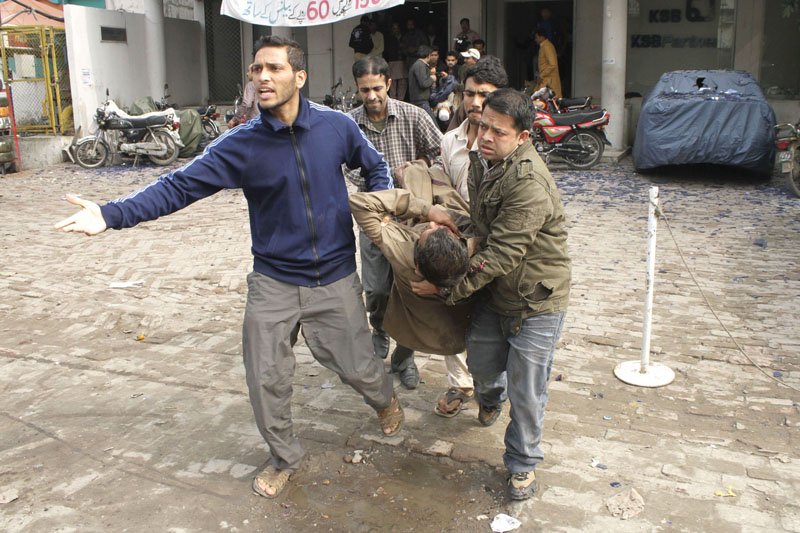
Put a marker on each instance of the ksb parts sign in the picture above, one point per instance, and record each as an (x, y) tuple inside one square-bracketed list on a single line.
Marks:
[(301, 12)]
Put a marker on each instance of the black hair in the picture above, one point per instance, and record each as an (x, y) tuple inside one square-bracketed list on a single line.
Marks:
[(511, 103), (424, 51), (371, 65), (464, 19), (477, 41), (297, 57), (452, 53), (488, 69), (442, 259)]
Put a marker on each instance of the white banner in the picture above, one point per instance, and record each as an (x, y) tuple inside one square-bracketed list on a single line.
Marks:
[(301, 12)]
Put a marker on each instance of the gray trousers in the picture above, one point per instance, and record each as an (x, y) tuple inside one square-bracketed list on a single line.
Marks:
[(335, 328), (377, 275)]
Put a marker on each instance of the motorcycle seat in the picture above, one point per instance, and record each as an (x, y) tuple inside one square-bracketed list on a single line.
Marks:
[(145, 121), (576, 117), (573, 102)]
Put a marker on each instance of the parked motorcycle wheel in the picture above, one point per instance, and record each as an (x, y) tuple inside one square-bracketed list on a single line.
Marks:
[(211, 129), (582, 149), (793, 177), (164, 137), (91, 153)]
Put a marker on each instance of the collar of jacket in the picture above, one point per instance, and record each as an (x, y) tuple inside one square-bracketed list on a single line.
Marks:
[(302, 121), (499, 169)]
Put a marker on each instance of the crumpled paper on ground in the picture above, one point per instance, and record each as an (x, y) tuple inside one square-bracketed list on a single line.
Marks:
[(502, 523), (628, 504)]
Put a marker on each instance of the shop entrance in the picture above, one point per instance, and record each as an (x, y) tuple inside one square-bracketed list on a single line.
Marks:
[(521, 19)]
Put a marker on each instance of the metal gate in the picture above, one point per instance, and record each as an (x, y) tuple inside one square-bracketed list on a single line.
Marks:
[(36, 71)]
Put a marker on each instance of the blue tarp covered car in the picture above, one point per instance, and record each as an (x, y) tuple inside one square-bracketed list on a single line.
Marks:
[(706, 116)]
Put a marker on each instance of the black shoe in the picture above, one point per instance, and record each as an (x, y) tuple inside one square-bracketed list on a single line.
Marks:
[(489, 415), (409, 377), (380, 343)]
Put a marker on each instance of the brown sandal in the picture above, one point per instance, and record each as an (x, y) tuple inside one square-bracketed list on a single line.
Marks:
[(391, 418), (452, 402), (272, 478)]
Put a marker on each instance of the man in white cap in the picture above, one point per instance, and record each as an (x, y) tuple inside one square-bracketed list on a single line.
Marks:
[(471, 56)]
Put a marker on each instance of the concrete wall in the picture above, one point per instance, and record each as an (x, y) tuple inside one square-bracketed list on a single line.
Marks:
[(184, 54), (96, 66), (588, 48)]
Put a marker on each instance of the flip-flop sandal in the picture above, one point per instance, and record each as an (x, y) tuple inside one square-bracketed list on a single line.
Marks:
[(391, 416), (451, 396), (273, 477)]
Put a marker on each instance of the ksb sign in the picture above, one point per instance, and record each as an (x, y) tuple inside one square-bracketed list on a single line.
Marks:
[(301, 12)]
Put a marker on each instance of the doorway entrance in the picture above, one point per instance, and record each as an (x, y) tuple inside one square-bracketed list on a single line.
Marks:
[(521, 19)]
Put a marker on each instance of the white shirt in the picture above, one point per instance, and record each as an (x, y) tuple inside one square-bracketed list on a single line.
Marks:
[(455, 157)]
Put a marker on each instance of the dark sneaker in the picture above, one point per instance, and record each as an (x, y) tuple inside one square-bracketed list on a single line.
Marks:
[(489, 415), (522, 485), (380, 343), (409, 376)]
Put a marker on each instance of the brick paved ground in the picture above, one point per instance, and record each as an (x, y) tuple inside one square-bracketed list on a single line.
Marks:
[(101, 431)]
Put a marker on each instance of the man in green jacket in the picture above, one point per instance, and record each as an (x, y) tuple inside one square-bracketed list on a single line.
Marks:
[(523, 274)]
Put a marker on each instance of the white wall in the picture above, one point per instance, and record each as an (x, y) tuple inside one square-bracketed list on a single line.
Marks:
[(121, 68), (95, 66)]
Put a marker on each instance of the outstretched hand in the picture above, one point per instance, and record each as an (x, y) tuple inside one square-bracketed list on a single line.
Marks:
[(88, 220)]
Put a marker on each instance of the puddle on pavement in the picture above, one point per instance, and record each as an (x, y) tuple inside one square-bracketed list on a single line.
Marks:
[(394, 490)]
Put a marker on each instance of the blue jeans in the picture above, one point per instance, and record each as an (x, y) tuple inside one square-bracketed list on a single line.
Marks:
[(524, 349)]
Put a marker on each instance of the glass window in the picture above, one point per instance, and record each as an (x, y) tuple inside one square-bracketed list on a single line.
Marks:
[(665, 35), (780, 61)]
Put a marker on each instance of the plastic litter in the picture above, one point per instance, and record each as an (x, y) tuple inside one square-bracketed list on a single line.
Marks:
[(327, 385), (597, 464), (502, 523), (777, 374), (615, 484), (762, 243), (606, 417)]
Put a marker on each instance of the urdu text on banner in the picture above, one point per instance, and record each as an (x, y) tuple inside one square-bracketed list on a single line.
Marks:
[(301, 12)]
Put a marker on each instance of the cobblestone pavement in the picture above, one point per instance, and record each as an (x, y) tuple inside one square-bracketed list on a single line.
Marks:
[(126, 409)]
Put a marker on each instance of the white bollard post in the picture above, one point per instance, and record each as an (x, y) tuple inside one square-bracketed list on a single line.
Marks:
[(642, 373)]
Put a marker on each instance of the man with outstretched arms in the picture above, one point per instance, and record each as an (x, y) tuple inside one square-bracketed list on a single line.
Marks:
[(304, 268)]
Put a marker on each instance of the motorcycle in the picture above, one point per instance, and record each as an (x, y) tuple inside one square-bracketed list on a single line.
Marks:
[(576, 137), (237, 103), (152, 134), (339, 100), (787, 141), (208, 119), (208, 114), (546, 98)]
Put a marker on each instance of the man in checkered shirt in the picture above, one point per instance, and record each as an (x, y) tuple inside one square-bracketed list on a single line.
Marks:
[(403, 133)]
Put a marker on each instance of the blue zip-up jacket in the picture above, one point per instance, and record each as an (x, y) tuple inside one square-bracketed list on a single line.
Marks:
[(302, 230)]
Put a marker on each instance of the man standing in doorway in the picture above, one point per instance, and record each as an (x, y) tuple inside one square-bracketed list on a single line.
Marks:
[(548, 63), (304, 270), (402, 133)]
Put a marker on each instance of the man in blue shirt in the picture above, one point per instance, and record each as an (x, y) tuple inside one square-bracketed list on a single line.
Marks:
[(304, 268)]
